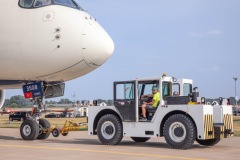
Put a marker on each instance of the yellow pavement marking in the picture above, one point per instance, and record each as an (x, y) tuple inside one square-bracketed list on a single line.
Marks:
[(101, 151)]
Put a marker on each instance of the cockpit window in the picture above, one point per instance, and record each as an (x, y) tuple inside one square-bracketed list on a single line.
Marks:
[(26, 3), (39, 3), (68, 3)]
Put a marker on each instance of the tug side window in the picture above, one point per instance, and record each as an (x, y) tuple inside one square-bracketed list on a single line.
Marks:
[(125, 91), (166, 90), (176, 89), (26, 3), (187, 89)]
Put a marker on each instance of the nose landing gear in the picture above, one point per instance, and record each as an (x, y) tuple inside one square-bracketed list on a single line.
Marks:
[(34, 127)]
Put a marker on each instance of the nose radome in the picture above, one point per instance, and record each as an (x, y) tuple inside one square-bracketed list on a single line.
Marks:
[(97, 45)]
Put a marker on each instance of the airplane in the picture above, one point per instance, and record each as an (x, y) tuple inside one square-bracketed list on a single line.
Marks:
[(45, 43)]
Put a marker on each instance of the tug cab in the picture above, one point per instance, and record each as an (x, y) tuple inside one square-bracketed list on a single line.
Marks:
[(128, 95)]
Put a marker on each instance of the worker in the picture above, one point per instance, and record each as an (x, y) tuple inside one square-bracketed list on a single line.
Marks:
[(150, 105), (175, 93)]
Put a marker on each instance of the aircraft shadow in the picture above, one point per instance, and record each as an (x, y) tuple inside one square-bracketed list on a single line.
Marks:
[(8, 138)]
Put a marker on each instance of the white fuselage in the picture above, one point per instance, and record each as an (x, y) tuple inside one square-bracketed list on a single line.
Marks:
[(51, 43)]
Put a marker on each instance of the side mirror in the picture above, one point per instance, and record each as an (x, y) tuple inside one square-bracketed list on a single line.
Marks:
[(174, 79)]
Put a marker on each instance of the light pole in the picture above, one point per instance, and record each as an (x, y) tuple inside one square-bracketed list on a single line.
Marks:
[(235, 79)]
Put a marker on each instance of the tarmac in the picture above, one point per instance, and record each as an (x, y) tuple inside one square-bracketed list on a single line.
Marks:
[(80, 146)]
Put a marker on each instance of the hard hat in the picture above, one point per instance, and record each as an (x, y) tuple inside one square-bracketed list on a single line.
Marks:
[(154, 88)]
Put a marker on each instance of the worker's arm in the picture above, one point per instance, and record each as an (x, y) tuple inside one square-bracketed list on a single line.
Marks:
[(150, 103), (147, 95)]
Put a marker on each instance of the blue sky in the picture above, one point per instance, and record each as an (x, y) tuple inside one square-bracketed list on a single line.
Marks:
[(192, 39)]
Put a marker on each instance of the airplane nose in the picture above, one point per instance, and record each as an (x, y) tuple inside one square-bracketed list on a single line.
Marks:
[(97, 45)]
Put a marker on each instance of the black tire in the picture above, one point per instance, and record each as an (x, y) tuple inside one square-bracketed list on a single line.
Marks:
[(110, 130), (179, 131), (208, 142), (44, 125), (29, 130), (140, 139), (65, 134), (55, 132), (211, 142)]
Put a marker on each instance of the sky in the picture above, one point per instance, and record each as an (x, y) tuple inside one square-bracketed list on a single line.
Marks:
[(193, 39)]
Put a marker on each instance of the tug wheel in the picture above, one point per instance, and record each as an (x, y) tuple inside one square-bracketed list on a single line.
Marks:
[(110, 130), (55, 132), (208, 142), (65, 134), (179, 131)]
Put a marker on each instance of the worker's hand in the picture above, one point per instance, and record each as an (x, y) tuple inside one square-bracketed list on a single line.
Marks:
[(143, 96)]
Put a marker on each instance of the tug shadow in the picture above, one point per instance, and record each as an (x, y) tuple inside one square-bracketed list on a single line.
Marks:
[(127, 143)]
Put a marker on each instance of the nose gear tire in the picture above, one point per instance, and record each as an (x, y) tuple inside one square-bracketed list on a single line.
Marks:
[(44, 125), (29, 130)]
